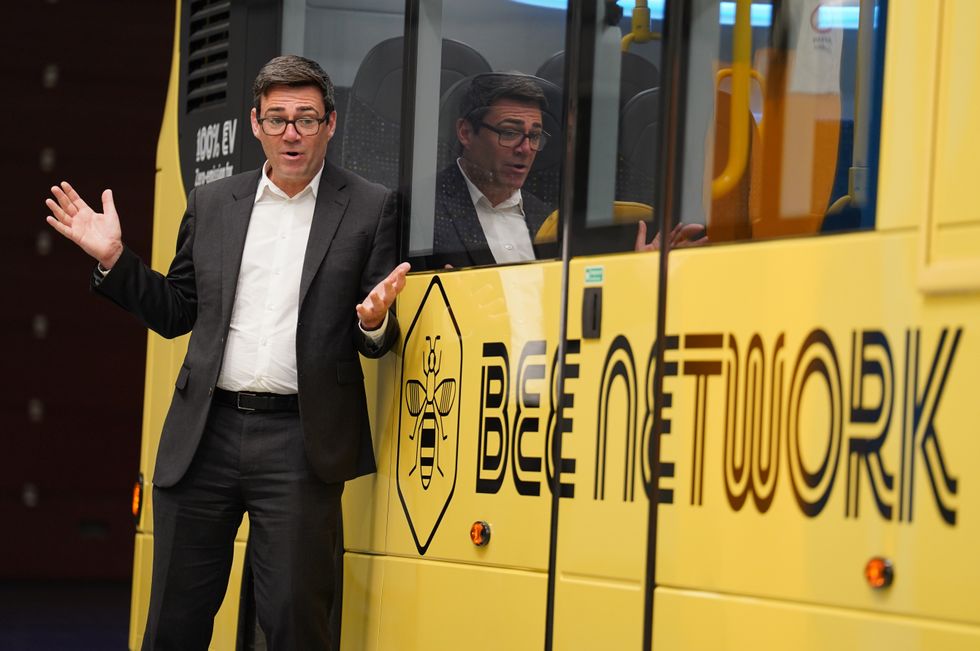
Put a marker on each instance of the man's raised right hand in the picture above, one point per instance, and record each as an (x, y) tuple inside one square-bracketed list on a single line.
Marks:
[(98, 234)]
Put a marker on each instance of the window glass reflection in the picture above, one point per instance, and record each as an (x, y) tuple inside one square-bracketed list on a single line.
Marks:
[(780, 121), (785, 143), (362, 53), (499, 137)]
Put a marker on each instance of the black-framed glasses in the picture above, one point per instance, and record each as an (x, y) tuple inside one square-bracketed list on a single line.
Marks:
[(514, 138), (276, 126)]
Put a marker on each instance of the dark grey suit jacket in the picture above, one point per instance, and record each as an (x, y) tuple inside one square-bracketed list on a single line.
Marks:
[(458, 238), (352, 247)]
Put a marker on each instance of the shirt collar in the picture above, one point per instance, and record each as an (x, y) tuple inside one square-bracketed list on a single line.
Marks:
[(476, 195), (266, 186)]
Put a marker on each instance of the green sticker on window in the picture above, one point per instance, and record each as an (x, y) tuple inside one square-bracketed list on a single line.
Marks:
[(593, 275)]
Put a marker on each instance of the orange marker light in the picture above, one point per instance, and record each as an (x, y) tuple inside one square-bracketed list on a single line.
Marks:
[(137, 498), (879, 572), (480, 533)]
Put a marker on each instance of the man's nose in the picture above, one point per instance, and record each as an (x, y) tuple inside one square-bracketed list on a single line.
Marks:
[(524, 146), (291, 133)]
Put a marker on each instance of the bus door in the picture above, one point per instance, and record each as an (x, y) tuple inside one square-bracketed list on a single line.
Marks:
[(600, 518), (815, 448), (472, 413)]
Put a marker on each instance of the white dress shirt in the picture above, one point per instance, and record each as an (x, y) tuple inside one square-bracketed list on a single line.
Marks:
[(503, 225), (260, 351)]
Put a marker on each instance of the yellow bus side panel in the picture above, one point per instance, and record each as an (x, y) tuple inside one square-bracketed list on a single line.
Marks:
[(363, 588), (951, 232), (510, 308), (907, 105), (608, 438), (689, 620), (163, 357), (595, 613), (874, 417), (957, 128), (366, 498), (435, 605), (140, 597)]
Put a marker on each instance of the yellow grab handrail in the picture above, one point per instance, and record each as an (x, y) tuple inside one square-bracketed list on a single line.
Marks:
[(756, 75), (738, 128), (639, 26)]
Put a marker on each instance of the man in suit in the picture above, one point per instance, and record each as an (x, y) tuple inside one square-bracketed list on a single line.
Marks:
[(269, 414), (482, 215)]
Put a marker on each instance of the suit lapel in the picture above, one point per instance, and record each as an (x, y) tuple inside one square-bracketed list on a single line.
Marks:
[(465, 220), (331, 203), (234, 227)]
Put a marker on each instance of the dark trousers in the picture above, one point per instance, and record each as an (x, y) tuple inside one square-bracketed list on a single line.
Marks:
[(251, 462)]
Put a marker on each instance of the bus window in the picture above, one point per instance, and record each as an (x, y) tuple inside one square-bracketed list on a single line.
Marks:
[(624, 132), (780, 125), (362, 53), (488, 144), (780, 114)]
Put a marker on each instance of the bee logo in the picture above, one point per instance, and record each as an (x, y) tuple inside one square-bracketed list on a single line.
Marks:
[(429, 405)]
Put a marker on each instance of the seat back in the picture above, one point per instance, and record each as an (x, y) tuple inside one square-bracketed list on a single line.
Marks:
[(636, 74), (793, 170), (372, 128), (639, 132)]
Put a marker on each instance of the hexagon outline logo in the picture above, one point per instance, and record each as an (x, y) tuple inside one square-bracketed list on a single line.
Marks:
[(428, 415)]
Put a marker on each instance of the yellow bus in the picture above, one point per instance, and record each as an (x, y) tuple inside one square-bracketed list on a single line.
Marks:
[(765, 442)]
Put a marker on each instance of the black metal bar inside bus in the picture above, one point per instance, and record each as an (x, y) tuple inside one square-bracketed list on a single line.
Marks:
[(673, 102), (580, 39)]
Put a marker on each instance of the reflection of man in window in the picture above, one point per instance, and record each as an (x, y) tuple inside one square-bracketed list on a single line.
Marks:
[(482, 216)]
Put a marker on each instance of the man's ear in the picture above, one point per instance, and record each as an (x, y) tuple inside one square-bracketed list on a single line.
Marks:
[(464, 131), (255, 122), (331, 124)]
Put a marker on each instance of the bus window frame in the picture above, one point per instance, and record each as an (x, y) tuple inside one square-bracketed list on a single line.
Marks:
[(418, 151), (423, 18)]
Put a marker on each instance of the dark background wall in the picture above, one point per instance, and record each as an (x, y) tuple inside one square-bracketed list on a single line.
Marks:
[(85, 82)]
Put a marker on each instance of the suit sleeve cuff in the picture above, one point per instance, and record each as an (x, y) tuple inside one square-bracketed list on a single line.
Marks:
[(99, 274), (374, 337)]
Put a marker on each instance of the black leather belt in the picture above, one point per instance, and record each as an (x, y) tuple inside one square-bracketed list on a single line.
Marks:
[(252, 401)]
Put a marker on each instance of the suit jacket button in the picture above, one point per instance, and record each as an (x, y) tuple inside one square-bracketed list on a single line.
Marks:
[(210, 390)]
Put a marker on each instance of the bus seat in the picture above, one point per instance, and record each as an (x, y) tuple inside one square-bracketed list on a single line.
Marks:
[(639, 130), (624, 213), (636, 74), (371, 132), (845, 149), (789, 177), (545, 173), (847, 216), (799, 151)]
